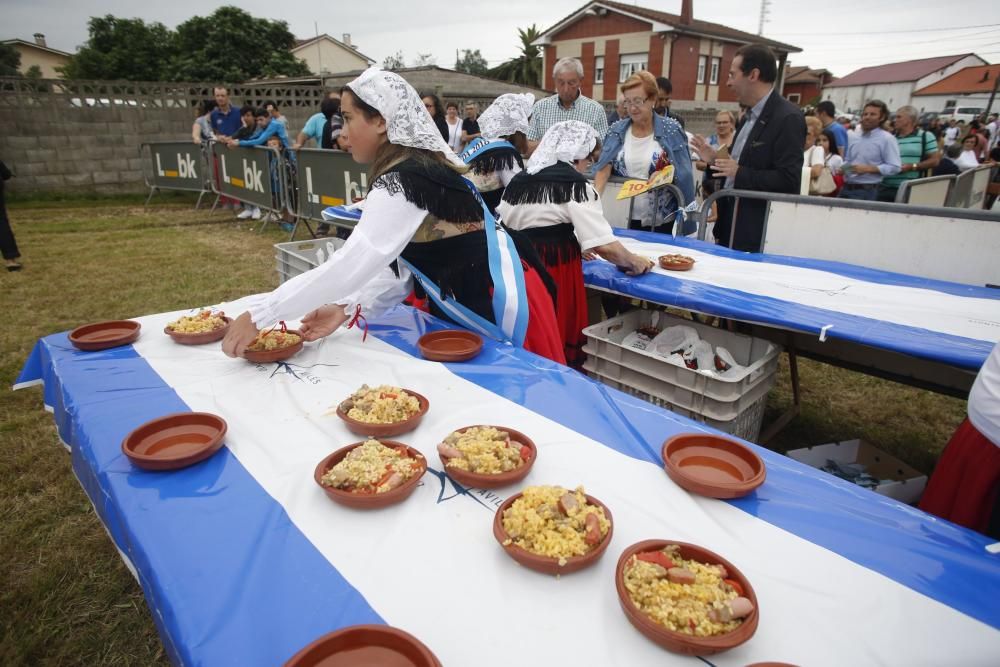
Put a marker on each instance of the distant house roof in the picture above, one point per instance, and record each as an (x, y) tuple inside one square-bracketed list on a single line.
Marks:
[(34, 45), (910, 70), (980, 79), (454, 83), (302, 43), (803, 74), (662, 22)]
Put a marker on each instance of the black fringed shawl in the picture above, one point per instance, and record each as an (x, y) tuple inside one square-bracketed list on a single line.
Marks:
[(497, 159), (558, 184), (436, 188)]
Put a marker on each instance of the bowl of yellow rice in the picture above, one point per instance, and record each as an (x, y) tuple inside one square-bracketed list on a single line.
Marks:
[(382, 411), (198, 329), (553, 530), (371, 474), (487, 457), (273, 345), (685, 598)]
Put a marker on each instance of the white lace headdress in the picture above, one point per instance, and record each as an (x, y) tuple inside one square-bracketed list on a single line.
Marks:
[(508, 114), (567, 141), (406, 118)]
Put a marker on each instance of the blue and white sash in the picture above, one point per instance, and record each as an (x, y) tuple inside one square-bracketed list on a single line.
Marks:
[(479, 146), (510, 297), (348, 212)]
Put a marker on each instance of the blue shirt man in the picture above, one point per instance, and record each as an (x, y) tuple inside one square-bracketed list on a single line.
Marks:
[(871, 156), (225, 119)]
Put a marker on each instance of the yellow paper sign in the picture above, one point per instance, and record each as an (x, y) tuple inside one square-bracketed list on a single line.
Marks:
[(632, 188)]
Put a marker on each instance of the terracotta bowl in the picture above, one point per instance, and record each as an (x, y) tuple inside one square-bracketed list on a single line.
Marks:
[(365, 646), (200, 338), (712, 466), (386, 430), (545, 564), (274, 355), (450, 345), (104, 335), (676, 641), (175, 441), (369, 502), (482, 481), (676, 262)]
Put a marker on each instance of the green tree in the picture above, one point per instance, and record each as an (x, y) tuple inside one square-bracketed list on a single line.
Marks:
[(10, 60), (471, 62), (526, 69), (122, 49), (232, 45), (395, 61)]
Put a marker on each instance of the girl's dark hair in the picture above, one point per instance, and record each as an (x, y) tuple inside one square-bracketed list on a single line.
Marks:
[(518, 140), (329, 107), (389, 154), (832, 138), (438, 109)]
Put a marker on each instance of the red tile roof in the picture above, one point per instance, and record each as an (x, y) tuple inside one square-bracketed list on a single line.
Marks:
[(696, 26), (968, 80), (910, 70)]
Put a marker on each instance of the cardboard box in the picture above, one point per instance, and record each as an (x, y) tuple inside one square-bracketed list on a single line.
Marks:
[(898, 480)]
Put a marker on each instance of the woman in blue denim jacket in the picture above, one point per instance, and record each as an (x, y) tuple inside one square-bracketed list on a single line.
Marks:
[(664, 142)]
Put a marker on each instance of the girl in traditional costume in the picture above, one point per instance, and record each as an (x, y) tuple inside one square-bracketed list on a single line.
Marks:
[(495, 157)]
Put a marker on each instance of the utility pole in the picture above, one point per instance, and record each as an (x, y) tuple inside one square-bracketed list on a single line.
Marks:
[(993, 95), (765, 6)]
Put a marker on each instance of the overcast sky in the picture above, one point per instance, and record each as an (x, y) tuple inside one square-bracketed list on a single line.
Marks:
[(842, 35)]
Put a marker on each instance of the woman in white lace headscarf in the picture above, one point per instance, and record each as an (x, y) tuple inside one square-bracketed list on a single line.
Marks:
[(418, 209), (495, 158), (554, 205)]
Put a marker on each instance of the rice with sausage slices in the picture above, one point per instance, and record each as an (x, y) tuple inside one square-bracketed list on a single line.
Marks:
[(553, 522), (268, 341), (203, 322), (691, 598), (371, 468), (383, 404), (484, 450)]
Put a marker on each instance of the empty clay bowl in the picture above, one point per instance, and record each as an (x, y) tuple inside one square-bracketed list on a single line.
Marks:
[(365, 646), (104, 335), (450, 345), (369, 501), (713, 466), (679, 642), (175, 441), (546, 564), (483, 481)]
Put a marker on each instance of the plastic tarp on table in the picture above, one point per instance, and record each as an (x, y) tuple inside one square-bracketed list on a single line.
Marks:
[(243, 559), (946, 322)]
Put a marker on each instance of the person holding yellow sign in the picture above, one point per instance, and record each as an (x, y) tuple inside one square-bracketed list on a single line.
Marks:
[(642, 145)]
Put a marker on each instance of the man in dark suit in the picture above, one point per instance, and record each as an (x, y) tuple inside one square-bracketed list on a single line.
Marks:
[(767, 153)]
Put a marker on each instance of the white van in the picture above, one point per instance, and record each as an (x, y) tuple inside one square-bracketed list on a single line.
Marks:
[(968, 114)]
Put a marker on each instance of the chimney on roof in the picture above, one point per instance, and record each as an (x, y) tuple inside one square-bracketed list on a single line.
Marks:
[(39, 39), (687, 11), (347, 39)]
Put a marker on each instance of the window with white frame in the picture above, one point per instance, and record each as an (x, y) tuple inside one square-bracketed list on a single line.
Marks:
[(702, 64), (599, 69), (631, 63), (714, 77)]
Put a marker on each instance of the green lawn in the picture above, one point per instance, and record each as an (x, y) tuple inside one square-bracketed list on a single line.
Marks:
[(65, 597)]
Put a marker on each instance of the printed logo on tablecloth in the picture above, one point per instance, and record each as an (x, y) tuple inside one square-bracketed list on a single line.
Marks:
[(300, 373)]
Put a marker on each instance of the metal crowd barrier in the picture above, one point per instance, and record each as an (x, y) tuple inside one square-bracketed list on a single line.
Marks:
[(175, 165)]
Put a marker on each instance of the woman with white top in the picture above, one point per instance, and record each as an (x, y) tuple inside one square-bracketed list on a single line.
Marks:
[(968, 159), (421, 223), (553, 205), (965, 486), (454, 122)]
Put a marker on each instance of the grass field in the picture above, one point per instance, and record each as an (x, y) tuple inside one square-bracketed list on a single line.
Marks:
[(65, 597)]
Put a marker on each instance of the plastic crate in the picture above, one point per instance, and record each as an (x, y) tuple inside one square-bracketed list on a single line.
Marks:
[(733, 404), (759, 357), (297, 257)]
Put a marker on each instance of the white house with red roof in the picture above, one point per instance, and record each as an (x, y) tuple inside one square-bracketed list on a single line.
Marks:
[(894, 83)]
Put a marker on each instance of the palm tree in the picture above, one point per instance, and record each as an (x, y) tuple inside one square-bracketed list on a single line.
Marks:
[(526, 69)]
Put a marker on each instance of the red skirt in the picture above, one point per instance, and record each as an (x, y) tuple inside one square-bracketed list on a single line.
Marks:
[(965, 483), (571, 307), (542, 337)]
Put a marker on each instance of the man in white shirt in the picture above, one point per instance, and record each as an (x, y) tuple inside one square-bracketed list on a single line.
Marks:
[(951, 134)]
